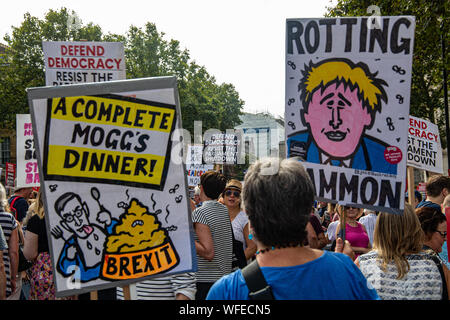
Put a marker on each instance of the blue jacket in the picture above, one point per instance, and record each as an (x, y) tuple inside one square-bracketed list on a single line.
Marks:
[(66, 266), (368, 156)]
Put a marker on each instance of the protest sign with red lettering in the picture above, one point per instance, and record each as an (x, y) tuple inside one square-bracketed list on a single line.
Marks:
[(27, 166), (80, 62), (424, 145), (194, 164), (10, 174)]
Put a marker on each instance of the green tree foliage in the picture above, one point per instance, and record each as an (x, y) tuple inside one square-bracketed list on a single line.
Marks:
[(432, 21), (147, 54)]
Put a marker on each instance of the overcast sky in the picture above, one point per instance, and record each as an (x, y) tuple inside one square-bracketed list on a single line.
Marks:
[(238, 41)]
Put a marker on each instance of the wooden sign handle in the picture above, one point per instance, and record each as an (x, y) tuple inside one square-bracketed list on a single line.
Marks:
[(94, 295), (126, 292), (410, 177)]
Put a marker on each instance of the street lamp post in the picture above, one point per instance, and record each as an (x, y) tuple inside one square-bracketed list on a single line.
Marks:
[(443, 39)]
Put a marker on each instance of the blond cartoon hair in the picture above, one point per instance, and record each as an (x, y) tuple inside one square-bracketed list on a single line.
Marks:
[(343, 71)]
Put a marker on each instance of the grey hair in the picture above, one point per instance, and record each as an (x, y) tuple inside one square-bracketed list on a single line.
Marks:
[(3, 198), (278, 205)]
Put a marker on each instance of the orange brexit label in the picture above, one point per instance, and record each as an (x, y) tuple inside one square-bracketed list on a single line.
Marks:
[(133, 265)]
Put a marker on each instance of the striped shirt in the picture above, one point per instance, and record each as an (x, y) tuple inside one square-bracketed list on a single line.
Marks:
[(162, 288), (368, 222), (8, 224), (215, 216), (422, 282), (3, 243)]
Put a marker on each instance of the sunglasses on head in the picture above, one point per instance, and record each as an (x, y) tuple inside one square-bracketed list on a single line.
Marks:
[(228, 193), (350, 207)]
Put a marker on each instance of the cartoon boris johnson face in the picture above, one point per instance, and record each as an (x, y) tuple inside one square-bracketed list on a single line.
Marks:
[(340, 100)]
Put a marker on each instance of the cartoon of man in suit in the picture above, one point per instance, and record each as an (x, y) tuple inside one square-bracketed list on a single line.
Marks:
[(84, 240), (340, 100)]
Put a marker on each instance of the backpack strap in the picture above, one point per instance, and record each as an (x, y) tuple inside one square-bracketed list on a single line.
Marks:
[(441, 271), (12, 205), (256, 283)]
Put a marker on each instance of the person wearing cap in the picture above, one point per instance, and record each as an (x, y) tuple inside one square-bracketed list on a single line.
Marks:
[(239, 220), (18, 202), (417, 198)]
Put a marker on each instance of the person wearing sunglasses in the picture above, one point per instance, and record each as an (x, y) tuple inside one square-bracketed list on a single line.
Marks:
[(434, 225), (398, 267), (239, 220), (355, 232)]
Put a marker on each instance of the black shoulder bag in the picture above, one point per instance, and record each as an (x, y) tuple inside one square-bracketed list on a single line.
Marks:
[(256, 283), (441, 271), (24, 264), (239, 260)]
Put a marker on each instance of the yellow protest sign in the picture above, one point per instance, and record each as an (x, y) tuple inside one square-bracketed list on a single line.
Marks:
[(108, 138)]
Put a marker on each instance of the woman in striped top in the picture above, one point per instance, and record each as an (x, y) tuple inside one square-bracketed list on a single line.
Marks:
[(173, 287), (3, 246), (213, 234), (11, 255)]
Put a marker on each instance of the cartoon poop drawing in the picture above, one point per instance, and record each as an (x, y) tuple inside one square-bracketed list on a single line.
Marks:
[(138, 246)]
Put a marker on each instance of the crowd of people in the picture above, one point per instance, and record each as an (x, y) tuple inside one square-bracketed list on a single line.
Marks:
[(265, 238)]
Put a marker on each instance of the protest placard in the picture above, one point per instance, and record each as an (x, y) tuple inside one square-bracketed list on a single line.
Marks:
[(10, 174), (27, 172), (222, 148), (424, 145), (69, 62), (347, 106), (116, 205), (194, 164)]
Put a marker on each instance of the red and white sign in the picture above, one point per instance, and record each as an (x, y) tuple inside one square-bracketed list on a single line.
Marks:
[(82, 62), (27, 165), (10, 174), (393, 154), (424, 145)]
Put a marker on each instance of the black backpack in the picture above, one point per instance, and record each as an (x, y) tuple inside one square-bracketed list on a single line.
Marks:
[(239, 260)]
